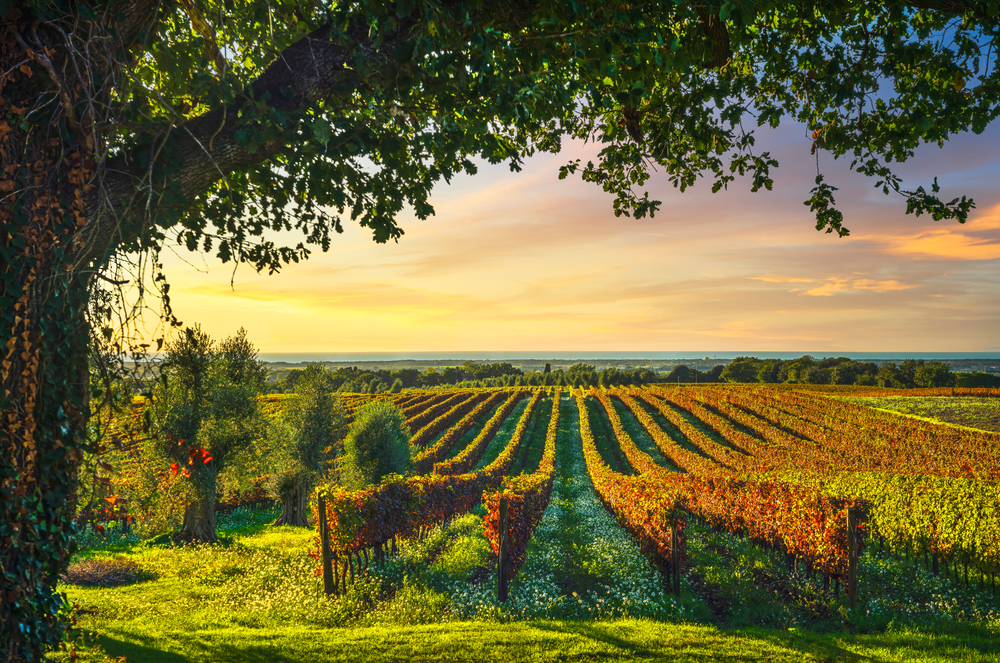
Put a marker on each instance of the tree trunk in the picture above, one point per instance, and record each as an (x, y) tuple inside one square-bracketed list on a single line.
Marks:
[(199, 514), (43, 361), (294, 507)]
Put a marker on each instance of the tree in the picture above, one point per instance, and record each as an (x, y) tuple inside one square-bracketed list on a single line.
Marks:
[(376, 446), (767, 370), (933, 374), (741, 369), (125, 122), (680, 373), (308, 437), (205, 413), (889, 375)]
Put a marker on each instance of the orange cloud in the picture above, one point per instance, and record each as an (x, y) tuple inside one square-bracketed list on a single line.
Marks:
[(834, 285), (777, 278), (971, 241)]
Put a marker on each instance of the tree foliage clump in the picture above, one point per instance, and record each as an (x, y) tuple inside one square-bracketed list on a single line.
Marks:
[(908, 374), (305, 440), (376, 446)]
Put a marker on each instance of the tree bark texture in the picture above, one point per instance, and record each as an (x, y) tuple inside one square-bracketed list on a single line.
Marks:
[(198, 525), (43, 364), (294, 507)]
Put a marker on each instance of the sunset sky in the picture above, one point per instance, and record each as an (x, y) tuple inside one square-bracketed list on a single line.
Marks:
[(525, 262)]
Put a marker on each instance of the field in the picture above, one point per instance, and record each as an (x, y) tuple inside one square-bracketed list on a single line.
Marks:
[(748, 486), (981, 413)]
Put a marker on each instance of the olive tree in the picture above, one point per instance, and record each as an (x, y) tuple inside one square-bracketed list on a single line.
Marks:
[(126, 124), (205, 412), (307, 438)]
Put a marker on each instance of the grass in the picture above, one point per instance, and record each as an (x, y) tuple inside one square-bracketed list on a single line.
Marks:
[(966, 411), (584, 594), (537, 640)]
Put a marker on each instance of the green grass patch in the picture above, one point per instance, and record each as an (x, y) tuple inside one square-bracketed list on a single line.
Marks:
[(965, 411), (538, 640)]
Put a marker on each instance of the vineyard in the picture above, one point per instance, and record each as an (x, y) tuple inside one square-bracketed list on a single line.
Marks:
[(724, 504)]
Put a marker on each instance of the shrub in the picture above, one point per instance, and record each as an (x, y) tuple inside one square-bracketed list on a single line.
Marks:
[(376, 446)]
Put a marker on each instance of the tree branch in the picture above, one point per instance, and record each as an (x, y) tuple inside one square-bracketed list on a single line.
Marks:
[(304, 73)]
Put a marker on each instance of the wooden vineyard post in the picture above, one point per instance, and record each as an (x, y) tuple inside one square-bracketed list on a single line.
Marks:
[(502, 553), (324, 536), (675, 557), (852, 558)]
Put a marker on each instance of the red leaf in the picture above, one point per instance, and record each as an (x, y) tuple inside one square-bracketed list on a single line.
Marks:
[(174, 467)]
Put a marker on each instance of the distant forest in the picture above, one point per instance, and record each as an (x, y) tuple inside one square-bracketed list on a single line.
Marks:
[(471, 374), (908, 374)]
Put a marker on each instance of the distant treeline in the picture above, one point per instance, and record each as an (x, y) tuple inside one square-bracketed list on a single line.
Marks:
[(804, 370), (908, 374), (470, 374)]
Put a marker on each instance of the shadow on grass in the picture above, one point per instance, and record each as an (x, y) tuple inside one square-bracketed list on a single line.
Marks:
[(147, 649), (599, 633), (663, 642)]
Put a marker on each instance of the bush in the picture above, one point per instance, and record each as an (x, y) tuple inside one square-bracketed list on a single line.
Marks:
[(376, 446)]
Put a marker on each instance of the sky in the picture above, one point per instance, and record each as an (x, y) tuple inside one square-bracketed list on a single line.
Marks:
[(526, 262)]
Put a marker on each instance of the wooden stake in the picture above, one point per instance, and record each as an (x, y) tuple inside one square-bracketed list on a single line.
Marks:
[(675, 557), (852, 558), (502, 553), (324, 535)]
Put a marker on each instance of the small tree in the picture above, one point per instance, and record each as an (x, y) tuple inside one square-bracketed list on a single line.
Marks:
[(376, 446), (307, 438), (205, 412)]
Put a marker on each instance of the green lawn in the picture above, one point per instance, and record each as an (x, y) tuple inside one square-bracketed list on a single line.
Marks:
[(541, 640)]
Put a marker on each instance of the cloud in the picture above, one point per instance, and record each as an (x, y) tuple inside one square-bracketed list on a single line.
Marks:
[(835, 285), (778, 278), (977, 239)]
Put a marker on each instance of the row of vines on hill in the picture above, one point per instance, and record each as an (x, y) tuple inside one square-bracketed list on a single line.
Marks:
[(368, 519), (779, 465), (799, 520), (926, 488), (527, 497)]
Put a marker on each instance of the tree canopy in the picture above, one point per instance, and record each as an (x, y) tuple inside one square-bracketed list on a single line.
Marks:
[(225, 119), (127, 123)]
